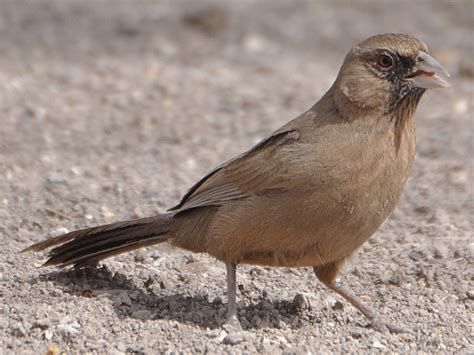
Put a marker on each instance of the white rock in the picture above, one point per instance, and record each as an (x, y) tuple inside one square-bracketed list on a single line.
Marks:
[(60, 231), (48, 334), (222, 336), (69, 329), (461, 106), (377, 344)]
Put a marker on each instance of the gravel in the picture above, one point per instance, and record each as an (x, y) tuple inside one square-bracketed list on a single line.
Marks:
[(112, 109)]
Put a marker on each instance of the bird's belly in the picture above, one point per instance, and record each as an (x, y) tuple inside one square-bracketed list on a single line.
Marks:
[(324, 221), (309, 256), (309, 238), (293, 234)]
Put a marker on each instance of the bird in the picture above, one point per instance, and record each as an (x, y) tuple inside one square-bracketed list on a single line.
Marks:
[(309, 194)]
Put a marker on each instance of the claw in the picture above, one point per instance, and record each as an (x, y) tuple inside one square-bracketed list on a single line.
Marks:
[(383, 327)]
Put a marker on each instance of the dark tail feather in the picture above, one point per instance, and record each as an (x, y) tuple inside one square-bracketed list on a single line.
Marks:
[(88, 246)]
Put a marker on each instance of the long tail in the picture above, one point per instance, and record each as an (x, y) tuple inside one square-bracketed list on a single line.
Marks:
[(88, 246)]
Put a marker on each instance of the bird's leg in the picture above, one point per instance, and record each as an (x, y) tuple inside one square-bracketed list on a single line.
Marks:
[(232, 319), (327, 275)]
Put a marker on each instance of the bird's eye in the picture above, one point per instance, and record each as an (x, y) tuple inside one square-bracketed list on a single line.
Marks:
[(385, 61)]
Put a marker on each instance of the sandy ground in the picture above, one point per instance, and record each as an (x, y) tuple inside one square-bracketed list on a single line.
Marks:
[(112, 109)]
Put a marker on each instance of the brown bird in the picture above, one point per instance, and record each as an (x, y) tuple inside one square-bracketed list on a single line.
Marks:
[(309, 194)]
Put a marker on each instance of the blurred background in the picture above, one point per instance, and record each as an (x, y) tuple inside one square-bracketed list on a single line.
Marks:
[(111, 109), (166, 89)]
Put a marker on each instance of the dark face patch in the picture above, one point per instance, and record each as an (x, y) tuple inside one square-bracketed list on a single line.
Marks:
[(402, 66)]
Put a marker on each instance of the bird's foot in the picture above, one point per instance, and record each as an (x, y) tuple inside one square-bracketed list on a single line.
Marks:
[(381, 326), (232, 325)]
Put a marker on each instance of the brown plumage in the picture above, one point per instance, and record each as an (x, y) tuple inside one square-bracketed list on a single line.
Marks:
[(308, 195)]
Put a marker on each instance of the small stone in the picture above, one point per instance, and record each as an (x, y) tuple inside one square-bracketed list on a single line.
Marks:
[(19, 331), (440, 252), (254, 43), (142, 314), (461, 106), (301, 302), (403, 336), (234, 338), (48, 335), (41, 323), (121, 347), (60, 231), (338, 306), (122, 298), (470, 294), (241, 304), (106, 213), (222, 336), (377, 344), (69, 329), (422, 209), (356, 335), (56, 292), (5, 309), (395, 280), (356, 272), (415, 255)]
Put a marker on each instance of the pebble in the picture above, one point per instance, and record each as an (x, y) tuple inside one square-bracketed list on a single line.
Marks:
[(282, 340), (222, 336), (415, 255), (60, 231), (41, 323), (122, 298), (301, 302), (470, 294), (440, 252), (19, 331), (5, 309), (254, 43), (142, 314), (461, 106), (234, 338), (106, 212), (48, 334), (121, 347), (338, 306), (356, 272), (241, 305), (377, 344), (56, 292), (395, 280), (69, 329)]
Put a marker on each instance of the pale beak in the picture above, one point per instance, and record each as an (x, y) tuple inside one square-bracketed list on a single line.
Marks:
[(428, 73)]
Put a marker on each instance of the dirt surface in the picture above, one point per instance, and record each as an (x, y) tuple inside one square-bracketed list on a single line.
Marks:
[(111, 109)]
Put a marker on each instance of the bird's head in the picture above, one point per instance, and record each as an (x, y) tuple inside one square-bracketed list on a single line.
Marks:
[(389, 72)]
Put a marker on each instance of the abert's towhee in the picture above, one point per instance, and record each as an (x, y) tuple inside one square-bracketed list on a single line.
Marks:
[(309, 194)]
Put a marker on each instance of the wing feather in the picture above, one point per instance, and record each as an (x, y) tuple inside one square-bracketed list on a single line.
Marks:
[(241, 177)]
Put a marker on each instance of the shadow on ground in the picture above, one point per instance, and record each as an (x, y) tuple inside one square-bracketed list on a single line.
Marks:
[(146, 303)]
